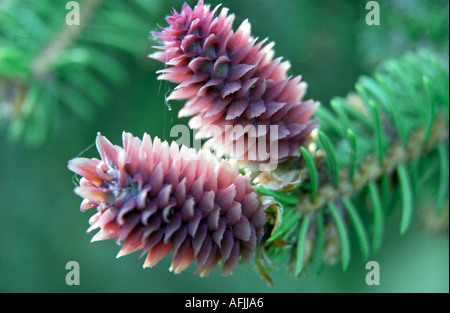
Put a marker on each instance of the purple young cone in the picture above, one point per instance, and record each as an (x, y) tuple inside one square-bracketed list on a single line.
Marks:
[(234, 87), (160, 199)]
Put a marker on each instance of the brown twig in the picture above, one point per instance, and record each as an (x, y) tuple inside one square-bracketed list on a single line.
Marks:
[(371, 170)]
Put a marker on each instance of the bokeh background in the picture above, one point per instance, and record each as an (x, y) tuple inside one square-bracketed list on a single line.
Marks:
[(41, 226)]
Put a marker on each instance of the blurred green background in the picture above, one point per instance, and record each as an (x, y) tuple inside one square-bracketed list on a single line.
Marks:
[(328, 42)]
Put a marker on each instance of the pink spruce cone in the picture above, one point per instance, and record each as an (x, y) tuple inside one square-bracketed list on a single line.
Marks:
[(159, 198), (230, 80)]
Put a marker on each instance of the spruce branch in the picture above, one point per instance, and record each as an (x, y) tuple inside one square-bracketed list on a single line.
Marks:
[(64, 39), (395, 123), (47, 66)]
